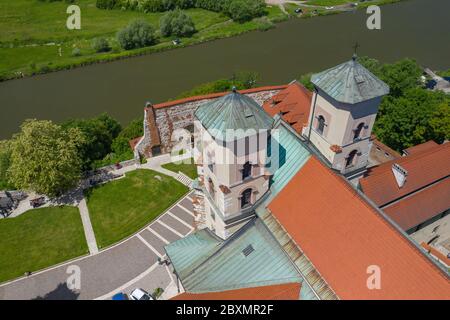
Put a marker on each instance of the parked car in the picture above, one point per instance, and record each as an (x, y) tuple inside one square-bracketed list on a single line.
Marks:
[(120, 296), (140, 294)]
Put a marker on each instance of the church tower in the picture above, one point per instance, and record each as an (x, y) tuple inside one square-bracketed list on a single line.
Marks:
[(231, 140), (343, 110)]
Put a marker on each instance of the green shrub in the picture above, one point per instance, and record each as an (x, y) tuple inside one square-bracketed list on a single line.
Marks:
[(76, 52), (152, 6), (106, 4), (176, 23), (245, 10), (100, 45), (138, 34)]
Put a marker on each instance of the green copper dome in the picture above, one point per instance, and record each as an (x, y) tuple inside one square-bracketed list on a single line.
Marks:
[(233, 111), (350, 82)]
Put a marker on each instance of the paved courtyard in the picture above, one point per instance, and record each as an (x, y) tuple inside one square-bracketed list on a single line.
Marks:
[(123, 267)]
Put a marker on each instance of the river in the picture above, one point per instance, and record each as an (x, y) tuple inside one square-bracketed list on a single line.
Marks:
[(416, 28)]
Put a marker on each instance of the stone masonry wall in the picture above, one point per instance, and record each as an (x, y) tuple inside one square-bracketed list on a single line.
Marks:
[(181, 116)]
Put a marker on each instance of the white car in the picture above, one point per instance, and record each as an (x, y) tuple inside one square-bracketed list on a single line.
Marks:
[(140, 294)]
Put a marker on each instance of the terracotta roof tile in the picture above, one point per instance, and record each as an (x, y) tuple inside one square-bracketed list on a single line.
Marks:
[(215, 95), (422, 206), (420, 147), (423, 169), (289, 291), (293, 103), (343, 235)]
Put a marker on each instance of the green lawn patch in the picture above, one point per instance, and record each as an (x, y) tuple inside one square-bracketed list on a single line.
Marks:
[(122, 207), (40, 238), (189, 169)]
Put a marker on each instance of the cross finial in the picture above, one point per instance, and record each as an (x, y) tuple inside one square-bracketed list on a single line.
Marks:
[(355, 49)]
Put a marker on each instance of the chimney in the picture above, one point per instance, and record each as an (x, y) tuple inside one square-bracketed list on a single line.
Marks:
[(400, 174)]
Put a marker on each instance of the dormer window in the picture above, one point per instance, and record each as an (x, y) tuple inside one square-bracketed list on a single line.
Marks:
[(320, 124)]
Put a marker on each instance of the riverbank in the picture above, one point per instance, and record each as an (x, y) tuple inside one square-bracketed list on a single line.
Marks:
[(42, 44)]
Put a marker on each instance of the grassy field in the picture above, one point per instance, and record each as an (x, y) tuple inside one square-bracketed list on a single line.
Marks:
[(122, 207), (34, 38), (38, 239), (189, 169)]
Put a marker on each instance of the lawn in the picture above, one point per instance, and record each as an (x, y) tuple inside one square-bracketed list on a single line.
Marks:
[(40, 238), (189, 169), (32, 32), (124, 206)]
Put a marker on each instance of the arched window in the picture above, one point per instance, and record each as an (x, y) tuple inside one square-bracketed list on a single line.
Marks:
[(350, 159), (320, 124), (247, 170), (246, 198), (358, 130)]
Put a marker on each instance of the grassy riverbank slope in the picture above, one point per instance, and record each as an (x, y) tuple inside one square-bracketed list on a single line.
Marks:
[(34, 38)]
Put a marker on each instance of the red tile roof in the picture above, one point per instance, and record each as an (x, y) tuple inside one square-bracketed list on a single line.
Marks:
[(288, 291), (423, 169), (214, 95), (420, 147), (343, 235), (422, 206), (134, 142), (293, 103)]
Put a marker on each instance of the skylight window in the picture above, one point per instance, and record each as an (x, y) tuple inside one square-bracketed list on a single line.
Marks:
[(248, 250)]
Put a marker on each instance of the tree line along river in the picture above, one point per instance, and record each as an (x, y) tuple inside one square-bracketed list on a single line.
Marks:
[(416, 28)]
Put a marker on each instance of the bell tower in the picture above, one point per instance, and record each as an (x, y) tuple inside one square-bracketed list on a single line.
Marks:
[(231, 138), (342, 114)]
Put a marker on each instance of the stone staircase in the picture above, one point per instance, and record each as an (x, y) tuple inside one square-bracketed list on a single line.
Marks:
[(184, 179)]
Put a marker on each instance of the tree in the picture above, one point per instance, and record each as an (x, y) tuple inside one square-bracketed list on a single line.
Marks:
[(100, 45), (5, 163), (400, 76), (137, 34), (44, 157), (99, 134), (176, 23), (245, 10), (416, 117)]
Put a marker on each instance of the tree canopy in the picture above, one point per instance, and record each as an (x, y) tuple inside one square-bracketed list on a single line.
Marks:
[(137, 34), (44, 157), (99, 133), (176, 23)]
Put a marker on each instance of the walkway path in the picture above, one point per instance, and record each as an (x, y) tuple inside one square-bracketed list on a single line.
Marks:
[(123, 267), (87, 226)]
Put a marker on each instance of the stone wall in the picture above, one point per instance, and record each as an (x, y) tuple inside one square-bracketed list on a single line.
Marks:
[(178, 116)]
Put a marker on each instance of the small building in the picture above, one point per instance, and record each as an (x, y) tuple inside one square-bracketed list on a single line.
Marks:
[(414, 190)]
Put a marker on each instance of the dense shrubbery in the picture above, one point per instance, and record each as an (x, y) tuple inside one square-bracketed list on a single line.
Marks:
[(106, 4), (138, 34), (238, 10), (176, 23)]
